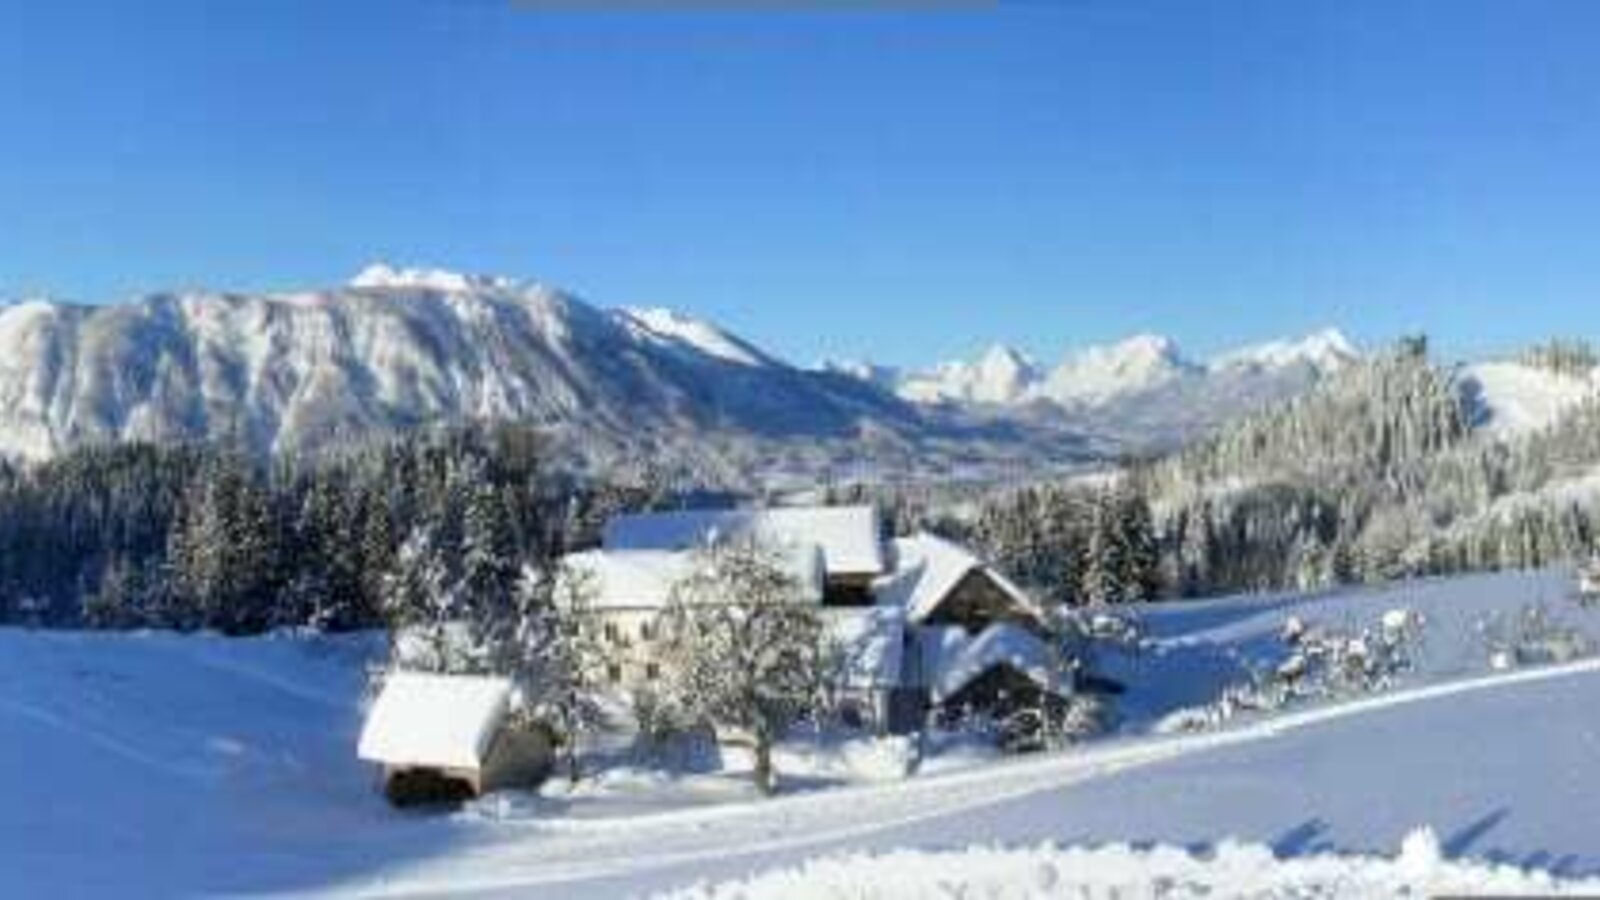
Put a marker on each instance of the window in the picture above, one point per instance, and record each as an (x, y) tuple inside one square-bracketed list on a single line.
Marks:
[(652, 671), (647, 630), (614, 672), (611, 633)]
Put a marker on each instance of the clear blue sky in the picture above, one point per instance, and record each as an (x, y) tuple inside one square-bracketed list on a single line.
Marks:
[(902, 186)]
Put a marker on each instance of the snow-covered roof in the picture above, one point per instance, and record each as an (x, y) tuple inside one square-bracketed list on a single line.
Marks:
[(848, 535), (643, 579), (952, 658), (871, 643), (927, 568), (627, 579), (444, 721)]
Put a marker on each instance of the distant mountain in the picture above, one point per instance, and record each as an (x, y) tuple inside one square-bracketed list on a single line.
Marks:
[(1001, 376), (393, 349), (1140, 393), (1102, 375), (1324, 352)]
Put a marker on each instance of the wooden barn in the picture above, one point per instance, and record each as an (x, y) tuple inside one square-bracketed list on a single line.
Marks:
[(446, 738)]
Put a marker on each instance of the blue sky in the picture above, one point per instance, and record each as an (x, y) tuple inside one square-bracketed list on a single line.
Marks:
[(901, 186)]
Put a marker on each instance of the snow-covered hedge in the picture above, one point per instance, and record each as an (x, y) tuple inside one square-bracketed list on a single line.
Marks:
[(1324, 662), (1532, 636)]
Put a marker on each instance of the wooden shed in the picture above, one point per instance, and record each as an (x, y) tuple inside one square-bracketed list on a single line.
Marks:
[(441, 738)]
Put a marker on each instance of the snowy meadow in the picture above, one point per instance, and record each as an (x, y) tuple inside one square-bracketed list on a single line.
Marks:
[(246, 748)]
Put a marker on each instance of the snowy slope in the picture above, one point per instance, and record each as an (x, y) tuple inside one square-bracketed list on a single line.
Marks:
[(159, 765), (247, 749), (668, 327), (1510, 398), (1198, 646), (1305, 783)]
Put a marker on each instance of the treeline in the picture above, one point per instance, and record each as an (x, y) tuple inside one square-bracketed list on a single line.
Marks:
[(187, 537), (1073, 544), (1563, 356)]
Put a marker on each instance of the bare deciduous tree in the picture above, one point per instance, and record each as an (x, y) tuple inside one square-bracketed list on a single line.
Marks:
[(742, 647)]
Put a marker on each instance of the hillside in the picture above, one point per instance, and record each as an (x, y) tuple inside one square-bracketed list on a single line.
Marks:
[(1396, 467)]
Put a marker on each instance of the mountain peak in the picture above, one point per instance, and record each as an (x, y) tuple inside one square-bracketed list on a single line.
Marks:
[(1003, 356), (1001, 375), (1140, 348), (381, 275), (1326, 350), (1096, 375)]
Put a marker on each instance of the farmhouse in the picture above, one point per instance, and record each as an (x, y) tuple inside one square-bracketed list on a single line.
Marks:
[(920, 624), (845, 538), (445, 737)]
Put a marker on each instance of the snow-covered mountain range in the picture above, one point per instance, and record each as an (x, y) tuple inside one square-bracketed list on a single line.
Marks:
[(392, 349), (398, 348), (1100, 376)]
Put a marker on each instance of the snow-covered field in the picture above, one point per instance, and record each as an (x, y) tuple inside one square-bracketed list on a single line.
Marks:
[(160, 765)]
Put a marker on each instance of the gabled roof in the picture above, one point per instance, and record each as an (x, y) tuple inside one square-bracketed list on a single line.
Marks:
[(443, 721), (643, 579), (848, 535), (953, 659), (927, 568)]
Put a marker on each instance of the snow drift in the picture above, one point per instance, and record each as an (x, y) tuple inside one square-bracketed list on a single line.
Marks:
[(1048, 871)]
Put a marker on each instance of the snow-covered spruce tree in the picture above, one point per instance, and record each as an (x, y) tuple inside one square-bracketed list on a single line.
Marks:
[(225, 556), (1105, 560), (1061, 541), (742, 650), (424, 609), (562, 658), (1138, 558), (123, 599), (329, 577), (378, 550), (489, 579)]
